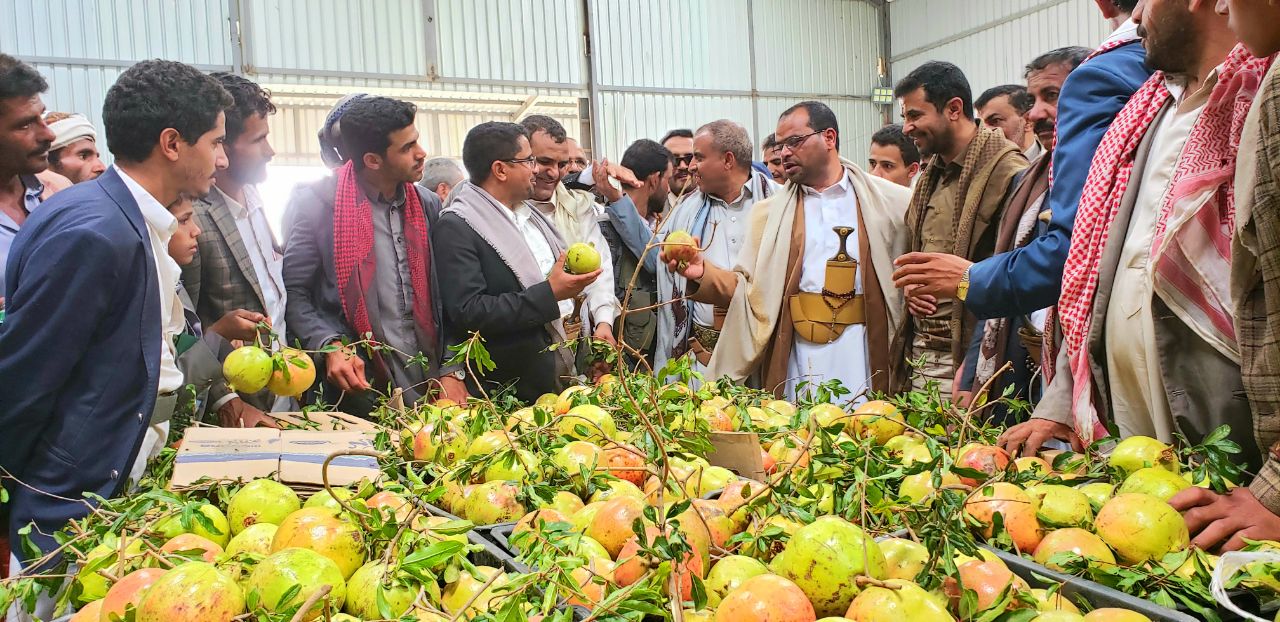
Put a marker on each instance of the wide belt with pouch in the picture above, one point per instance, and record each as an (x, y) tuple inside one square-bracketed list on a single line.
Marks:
[(822, 317), (702, 341)]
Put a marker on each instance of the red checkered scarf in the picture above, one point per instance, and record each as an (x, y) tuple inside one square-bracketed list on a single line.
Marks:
[(354, 260), (1191, 249)]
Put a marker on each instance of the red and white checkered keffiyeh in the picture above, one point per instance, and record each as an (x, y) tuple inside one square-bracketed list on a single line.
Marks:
[(354, 261), (1192, 246)]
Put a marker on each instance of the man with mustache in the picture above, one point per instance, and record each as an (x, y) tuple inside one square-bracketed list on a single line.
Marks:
[(1149, 339), (1222, 522), (576, 217), (25, 139), (1017, 340), (74, 152), (680, 143), (1029, 278), (1006, 107), (773, 158), (819, 307), (89, 375), (958, 198)]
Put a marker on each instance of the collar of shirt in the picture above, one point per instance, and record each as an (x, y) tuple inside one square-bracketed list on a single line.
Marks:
[(1127, 30), (252, 202), (376, 197), (840, 188), (1187, 101), (33, 191), (156, 215)]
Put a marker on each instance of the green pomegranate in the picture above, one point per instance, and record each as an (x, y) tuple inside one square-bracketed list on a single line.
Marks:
[(907, 602), (1098, 493), (1079, 541), (171, 527), (1154, 481), (493, 502), (468, 589), (1061, 506), (276, 575), (253, 539), (399, 592), (1138, 452), (261, 501), (192, 592), (596, 422), (728, 573), (581, 258), (323, 499), (247, 369), (904, 558), (825, 557), (1058, 616), (1141, 527)]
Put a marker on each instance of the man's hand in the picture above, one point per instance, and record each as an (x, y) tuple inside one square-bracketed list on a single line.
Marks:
[(345, 370), (452, 389), (920, 305), (604, 332), (565, 286), (1027, 437), (932, 274), (1220, 523), (624, 175), (238, 414), (603, 177), (684, 260), (239, 325)]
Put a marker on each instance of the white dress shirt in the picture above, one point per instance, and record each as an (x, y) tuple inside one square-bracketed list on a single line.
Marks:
[(268, 264), (844, 359), (1140, 403), (730, 220), (161, 226), (538, 245)]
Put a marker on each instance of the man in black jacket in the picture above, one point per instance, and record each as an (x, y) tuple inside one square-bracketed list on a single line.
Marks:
[(502, 264), (359, 261)]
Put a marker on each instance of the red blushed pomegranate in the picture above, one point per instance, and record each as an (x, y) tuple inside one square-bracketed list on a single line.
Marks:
[(986, 458)]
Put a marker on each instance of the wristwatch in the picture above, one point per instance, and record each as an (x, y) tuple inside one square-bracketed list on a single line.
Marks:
[(962, 288), (458, 375)]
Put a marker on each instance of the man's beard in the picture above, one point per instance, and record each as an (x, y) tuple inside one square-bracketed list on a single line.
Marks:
[(1173, 49)]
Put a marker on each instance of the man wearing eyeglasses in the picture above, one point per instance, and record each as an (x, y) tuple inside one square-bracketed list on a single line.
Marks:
[(822, 307), (728, 187), (680, 143), (956, 208), (502, 262)]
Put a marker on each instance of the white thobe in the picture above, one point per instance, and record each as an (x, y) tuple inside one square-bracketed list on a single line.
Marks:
[(844, 359)]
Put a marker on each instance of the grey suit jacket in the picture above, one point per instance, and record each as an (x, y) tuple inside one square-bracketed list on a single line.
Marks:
[(201, 362), (222, 279), (1204, 392)]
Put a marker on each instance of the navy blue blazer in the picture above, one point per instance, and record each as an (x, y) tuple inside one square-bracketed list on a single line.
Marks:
[(1030, 278), (79, 353)]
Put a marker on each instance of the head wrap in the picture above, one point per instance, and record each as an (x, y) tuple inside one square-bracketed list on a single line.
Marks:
[(330, 145), (70, 129)]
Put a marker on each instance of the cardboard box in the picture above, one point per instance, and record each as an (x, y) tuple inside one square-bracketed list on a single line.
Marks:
[(324, 422), (739, 452), (302, 456), (295, 457), (226, 453)]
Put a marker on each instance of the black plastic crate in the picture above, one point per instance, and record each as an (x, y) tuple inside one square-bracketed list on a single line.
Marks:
[(1092, 592)]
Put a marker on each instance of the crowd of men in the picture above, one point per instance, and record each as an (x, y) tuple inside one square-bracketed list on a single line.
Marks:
[(1102, 242)]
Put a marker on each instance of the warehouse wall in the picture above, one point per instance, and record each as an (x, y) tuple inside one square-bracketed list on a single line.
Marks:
[(657, 64), (747, 60), (991, 40)]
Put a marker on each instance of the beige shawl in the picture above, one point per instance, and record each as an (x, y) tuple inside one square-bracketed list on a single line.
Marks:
[(763, 264)]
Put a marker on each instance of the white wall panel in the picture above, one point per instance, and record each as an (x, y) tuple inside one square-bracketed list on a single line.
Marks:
[(818, 46), (192, 31), (626, 117), (685, 44), (386, 36), (516, 40), (999, 36)]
